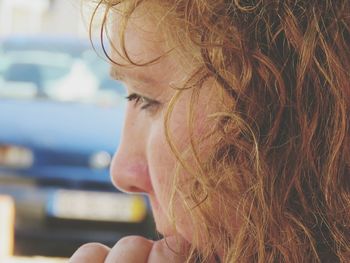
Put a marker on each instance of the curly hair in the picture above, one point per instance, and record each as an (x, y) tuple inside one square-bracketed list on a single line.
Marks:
[(282, 147)]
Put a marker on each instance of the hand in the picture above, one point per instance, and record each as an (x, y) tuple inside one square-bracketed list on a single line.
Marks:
[(132, 249)]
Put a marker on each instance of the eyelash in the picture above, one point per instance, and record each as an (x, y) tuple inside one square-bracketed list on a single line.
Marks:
[(146, 104)]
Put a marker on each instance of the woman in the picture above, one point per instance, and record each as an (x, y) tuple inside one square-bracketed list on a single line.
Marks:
[(237, 128)]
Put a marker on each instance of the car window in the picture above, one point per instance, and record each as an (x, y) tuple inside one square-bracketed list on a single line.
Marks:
[(63, 74)]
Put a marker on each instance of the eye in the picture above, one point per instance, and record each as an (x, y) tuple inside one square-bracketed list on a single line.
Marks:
[(143, 102)]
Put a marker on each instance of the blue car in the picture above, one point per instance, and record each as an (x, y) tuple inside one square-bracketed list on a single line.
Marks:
[(60, 119)]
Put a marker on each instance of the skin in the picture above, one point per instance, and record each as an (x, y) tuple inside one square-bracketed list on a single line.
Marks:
[(144, 162)]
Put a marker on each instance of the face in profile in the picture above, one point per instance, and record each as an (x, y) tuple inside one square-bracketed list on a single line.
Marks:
[(144, 162)]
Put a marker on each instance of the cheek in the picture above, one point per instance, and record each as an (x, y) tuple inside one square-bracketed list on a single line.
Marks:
[(161, 159), (161, 162)]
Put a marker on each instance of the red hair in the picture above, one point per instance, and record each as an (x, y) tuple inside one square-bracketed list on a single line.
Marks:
[(282, 157)]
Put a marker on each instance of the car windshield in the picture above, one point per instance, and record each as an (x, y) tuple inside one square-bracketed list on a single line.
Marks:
[(62, 73)]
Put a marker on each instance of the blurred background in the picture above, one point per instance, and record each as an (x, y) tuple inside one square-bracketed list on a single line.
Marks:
[(60, 121)]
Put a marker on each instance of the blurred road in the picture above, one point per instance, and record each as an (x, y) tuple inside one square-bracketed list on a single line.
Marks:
[(33, 260)]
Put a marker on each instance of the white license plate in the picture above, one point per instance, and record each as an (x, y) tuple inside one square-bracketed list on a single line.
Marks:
[(97, 206)]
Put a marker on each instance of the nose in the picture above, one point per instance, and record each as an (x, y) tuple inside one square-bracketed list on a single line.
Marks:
[(129, 172), (129, 168)]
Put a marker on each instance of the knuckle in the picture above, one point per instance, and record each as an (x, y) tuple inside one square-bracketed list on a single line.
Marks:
[(162, 247), (134, 241), (158, 246), (93, 247), (168, 248), (130, 249), (90, 252)]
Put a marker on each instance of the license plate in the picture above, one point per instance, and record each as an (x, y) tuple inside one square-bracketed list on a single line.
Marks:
[(97, 206)]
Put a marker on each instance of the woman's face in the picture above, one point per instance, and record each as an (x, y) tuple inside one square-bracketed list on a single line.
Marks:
[(144, 162)]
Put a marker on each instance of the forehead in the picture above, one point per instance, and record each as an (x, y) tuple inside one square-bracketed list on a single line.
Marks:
[(137, 38), (139, 35)]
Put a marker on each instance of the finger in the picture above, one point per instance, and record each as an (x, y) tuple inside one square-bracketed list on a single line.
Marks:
[(130, 249), (90, 253), (170, 249)]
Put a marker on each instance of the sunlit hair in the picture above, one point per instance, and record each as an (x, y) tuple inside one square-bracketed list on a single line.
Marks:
[(281, 156)]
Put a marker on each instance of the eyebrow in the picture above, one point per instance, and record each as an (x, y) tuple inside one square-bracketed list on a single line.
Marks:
[(117, 74)]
